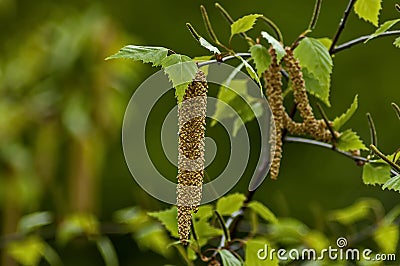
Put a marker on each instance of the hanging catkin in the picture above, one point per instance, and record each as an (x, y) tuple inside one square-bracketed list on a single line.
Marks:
[(191, 119), (273, 85), (316, 128)]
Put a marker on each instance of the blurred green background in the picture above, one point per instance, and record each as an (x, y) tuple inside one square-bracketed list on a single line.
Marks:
[(62, 105)]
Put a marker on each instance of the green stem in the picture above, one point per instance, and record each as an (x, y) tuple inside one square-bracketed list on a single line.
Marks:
[(385, 158), (314, 18), (396, 109), (273, 27)]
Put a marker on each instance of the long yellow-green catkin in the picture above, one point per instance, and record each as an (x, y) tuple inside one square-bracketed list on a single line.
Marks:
[(191, 118), (316, 128), (273, 86)]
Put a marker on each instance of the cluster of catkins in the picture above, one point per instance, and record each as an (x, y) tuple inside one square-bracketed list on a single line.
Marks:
[(316, 128)]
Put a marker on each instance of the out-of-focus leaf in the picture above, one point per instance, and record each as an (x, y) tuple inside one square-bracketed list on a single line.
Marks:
[(392, 183), (262, 211), (256, 251), (288, 231), (33, 221), (133, 217), (147, 54), (77, 224), (244, 24), (168, 219), (354, 213), (387, 237), (153, 237), (28, 252), (228, 259), (280, 51), (368, 10), (349, 140), (397, 42), (375, 173), (316, 240), (383, 28), (230, 204), (107, 251), (261, 58), (339, 121), (181, 70)]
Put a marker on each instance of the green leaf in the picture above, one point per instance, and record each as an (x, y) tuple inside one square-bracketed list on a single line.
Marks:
[(30, 222), (51, 256), (397, 42), (338, 122), (244, 24), (251, 71), (205, 212), (228, 259), (153, 237), (168, 219), (315, 57), (368, 10), (318, 88), (181, 70), (288, 231), (280, 51), (203, 42), (230, 204), (147, 54), (354, 213), (77, 224), (262, 211), (383, 28), (392, 183), (327, 42), (375, 173), (205, 231), (27, 252), (316, 240), (107, 251), (253, 247), (350, 141), (261, 58), (247, 115), (387, 237)]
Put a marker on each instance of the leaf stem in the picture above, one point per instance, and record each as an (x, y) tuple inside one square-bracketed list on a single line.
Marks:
[(314, 18), (327, 123), (385, 158), (396, 109), (342, 24), (361, 40), (210, 29), (273, 26), (372, 130), (193, 31)]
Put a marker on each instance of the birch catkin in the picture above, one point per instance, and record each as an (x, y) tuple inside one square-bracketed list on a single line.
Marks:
[(273, 85), (191, 118)]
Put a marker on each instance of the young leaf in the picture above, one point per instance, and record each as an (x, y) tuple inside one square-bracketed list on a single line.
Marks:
[(28, 251), (288, 231), (325, 42), (153, 237), (262, 211), (77, 224), (33, 221), (252, 251), (318, 88), (147, 54), (376, 173), (383, 28), (230, 204), (387, 237), (261, 58), (392, 183), (203, 42), (181, 70), (205, 231), (397, 42), (350, 141), (368, 10), (204, 212), (338, 122), (244, 24), (280, 51), (314, 56), (168, 219), (228, 259)]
